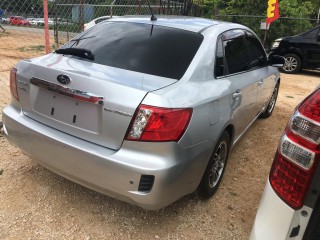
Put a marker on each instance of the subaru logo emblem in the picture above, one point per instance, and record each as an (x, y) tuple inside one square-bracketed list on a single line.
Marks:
[(63, 79)]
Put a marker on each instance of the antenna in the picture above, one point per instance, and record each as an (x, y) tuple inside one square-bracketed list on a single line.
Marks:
[(153, 17)]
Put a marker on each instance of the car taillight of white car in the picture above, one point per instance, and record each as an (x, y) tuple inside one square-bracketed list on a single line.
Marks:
[(298, 154)]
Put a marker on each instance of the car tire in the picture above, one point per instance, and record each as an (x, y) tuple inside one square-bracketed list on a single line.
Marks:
[(272, 102), (215, 169), (292, 63)]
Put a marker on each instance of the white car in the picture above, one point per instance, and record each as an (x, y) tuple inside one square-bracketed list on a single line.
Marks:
[(40, 21), (96, 21), (4, 21), (290, 206), (143, 110), (35, 21)]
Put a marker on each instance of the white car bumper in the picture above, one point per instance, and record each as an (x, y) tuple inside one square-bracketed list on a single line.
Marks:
[(273, 219)]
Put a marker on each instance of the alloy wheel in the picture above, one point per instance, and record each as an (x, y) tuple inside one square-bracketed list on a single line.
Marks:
[(290, 64), (219, 158), (273, 100)]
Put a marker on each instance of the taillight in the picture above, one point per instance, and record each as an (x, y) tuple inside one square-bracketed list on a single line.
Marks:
[(298, 153), (289, 181), (310, 108), (13, 83), (155, 124)]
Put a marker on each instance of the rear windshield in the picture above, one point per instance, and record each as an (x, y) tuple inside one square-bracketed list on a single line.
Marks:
[(145, 48)]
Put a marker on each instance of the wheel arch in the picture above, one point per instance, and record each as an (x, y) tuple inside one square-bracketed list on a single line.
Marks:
[(297, 52), (231, 131)]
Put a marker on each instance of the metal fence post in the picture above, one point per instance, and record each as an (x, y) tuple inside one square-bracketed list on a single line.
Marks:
[(46, 26)]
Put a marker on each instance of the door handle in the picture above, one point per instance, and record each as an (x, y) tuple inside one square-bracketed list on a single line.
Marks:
[(236, 94), (260, 83)]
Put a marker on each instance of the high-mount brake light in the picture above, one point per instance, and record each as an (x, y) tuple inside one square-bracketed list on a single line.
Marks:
[(155, 124), (298, 154), (13, 83)]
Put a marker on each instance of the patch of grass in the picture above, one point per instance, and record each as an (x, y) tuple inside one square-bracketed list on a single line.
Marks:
[(37, 48)]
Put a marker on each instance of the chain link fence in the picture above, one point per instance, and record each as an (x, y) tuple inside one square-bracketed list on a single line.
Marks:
[(24, 25)]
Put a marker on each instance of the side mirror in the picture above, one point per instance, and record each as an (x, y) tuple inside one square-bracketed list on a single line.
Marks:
[(276, 61)]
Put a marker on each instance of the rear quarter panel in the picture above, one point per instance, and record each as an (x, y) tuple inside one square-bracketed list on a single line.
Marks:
[(198, 89)]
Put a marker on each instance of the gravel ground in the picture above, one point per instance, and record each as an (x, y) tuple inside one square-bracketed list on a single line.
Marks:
[(38, 204)]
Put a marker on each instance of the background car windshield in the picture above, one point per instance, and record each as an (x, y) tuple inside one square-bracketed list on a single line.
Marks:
[(145, 48)]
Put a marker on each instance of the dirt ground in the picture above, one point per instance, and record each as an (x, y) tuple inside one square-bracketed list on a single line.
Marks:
[(38, 204)]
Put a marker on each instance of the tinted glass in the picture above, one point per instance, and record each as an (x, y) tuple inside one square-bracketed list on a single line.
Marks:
[(257, 56), (155, 50), (219, 68), (312, 34), (236, 54)]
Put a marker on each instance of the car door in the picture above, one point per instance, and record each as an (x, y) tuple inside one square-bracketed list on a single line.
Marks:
[(243, 87), (313, 48), (260, 70)]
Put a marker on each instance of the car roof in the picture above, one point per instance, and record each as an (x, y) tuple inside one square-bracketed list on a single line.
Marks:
[(193, 24)]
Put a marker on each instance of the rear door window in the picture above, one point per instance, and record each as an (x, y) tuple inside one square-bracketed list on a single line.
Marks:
[(145, 48), (256, 53), (235, 51)]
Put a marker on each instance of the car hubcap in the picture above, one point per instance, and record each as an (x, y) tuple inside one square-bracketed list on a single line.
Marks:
[(273, 100), (290, 64), (219, 161)]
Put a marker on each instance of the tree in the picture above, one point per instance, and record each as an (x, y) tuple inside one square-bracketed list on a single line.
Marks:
[(281, 27)]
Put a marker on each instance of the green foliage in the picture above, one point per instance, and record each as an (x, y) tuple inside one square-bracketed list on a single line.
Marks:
[(282, 27), (208, 8), (295, 8)]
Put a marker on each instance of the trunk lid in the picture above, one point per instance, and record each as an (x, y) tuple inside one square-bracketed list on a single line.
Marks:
[(98, 103)]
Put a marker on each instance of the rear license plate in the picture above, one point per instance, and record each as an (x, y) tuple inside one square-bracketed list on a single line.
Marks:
[(77, 113)]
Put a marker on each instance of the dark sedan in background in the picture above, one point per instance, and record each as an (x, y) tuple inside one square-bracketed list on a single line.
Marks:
[(300, 52)]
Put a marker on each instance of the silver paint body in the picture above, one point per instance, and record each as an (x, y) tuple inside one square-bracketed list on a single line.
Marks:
[(93, 152)]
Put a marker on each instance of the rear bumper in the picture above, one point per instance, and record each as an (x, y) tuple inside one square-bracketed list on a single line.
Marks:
[(273, 218), (114, 173)]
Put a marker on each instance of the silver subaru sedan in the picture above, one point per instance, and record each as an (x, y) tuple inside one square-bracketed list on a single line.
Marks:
[(145, 111)]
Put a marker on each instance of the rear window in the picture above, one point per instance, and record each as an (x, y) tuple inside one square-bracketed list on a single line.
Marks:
[(145, 48)]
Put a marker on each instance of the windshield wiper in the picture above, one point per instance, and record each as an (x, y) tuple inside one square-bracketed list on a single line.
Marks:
[(79, 52)]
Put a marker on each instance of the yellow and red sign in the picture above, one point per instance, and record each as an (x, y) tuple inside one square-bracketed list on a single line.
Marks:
[(273, 12)]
